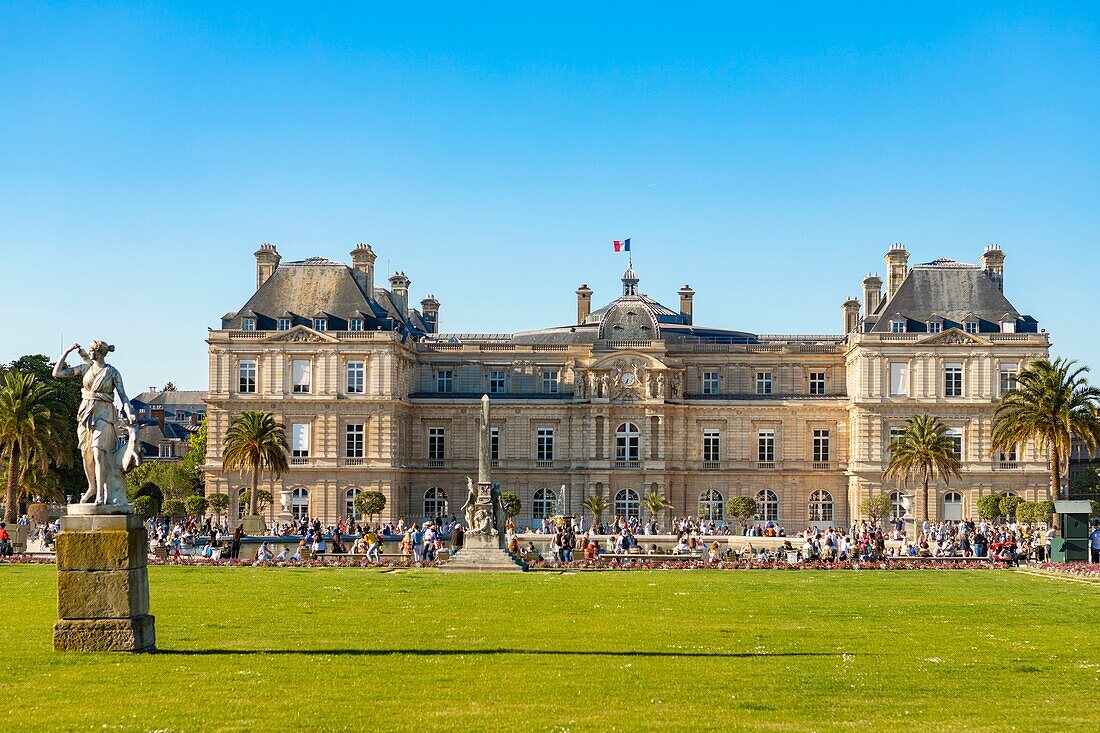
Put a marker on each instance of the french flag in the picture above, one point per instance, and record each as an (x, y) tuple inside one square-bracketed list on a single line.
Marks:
[(623, 245)]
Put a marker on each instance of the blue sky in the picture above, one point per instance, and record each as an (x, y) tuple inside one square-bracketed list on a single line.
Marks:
[(768, 155)]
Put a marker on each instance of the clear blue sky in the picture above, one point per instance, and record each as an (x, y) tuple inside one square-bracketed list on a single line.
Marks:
[(767, 155)]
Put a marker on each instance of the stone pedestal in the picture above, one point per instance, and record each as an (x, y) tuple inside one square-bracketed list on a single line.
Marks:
[(18, 536), (480, 552), (102, 583), (254, 525)]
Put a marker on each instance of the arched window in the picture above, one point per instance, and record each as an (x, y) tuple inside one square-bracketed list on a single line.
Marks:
[(626, 442), (627, 503), (349, 503), (953, 506), (712, 505), (544, 503), (242, 505), (897, 504), (435, 503), (821, 506), (299, 504), (767, 506)]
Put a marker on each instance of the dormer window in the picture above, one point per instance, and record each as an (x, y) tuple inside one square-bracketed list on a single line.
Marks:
[(935, 326), (897, 326), (971, 326), (355, 324), (320, 324), (284, 324), (1008, 326), (248, 324)]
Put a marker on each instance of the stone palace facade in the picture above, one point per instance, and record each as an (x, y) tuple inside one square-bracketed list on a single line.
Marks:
[(630, 398)]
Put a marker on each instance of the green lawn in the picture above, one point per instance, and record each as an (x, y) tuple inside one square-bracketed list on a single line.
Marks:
[(251, 649)]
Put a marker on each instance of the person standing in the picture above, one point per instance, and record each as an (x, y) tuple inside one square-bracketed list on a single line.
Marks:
[(238, 534), (1094, 543)]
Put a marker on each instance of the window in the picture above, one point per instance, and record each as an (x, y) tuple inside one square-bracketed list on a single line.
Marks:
[(953, 506), (246, 376), (299, 376), (821, 446), (897, 432), (299, 440), (299, 504), (1008, 326), (626, 442), (165, 450), (494, 444), (283, 324), (956, 435), (355, 324), (821, 506), (248, 324), (544, 504), (444, 381), (496, 382), (952, 380), (356, 373), (763, 383), (899, 506), (544, 448), (550, 382), (1009, 457), (435, 503), (1008, 377), (349, 503), (899, 379), (711, 382), (971, 326), (627, 504), (436, 444), (242, 504), (353, 440), (935, 326), (320, 324), (817, 383), (767, 506), (897, 326), (712, 506), (765, 446), (712, 445)]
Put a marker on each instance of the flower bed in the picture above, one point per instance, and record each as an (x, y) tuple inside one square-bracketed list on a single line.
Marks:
[(643, 564), (1088, 571)]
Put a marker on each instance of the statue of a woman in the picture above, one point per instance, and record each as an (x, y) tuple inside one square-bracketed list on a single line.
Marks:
[(96, 419)]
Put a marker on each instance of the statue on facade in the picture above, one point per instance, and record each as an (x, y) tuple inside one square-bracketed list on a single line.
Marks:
[(105, 458)]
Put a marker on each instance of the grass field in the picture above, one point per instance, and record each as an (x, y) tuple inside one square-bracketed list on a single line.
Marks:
[(328, 649)]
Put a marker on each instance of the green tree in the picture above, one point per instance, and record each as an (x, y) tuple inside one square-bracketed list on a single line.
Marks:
[(152, 492), (989, 506), (263, 499), (196, 505), (143, 507), (370, 503), (32, 431), (255, 443), (597, 505), (1008, 505), (924, 450), (1095, 508), (196, 455), (876, 507), (509, 502), (174, 480), (1051, 404), (1087, 481), (743, 509), (219, 504), (174, 508), (655, 502)]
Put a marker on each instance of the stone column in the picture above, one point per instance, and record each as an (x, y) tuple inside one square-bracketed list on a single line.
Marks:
[(102, 584)]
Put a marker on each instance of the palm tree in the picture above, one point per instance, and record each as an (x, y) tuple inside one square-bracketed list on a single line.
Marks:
[(1052, 404), (32, 430), (255, 442), (924, 449), (654, 502), (596, 504)]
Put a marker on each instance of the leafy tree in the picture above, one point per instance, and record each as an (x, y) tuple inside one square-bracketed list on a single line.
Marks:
[(370, 503), (989, 506), (597, 505), (174, 508), (876, 507), (263, 499), (143, 506), (1008, 505), (509, 502), (1095, 508), (256, 443), (1087, 481), (32, 431), (923, 450), (174, 480), (196, 505), (1051, 404), (150, 491), (655, 502), (196, 455), (743, 509), (1043, 511), (219, 504)]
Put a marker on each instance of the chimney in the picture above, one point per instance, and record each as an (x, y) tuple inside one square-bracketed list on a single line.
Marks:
[(993, 262), (429, 307), (872, 293), (362, 262), (399, 286), (267, 260), (686, 294), (584, 302), (158, 414), (897, 267), (851, 315)]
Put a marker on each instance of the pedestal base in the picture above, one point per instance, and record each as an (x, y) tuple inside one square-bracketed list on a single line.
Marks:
[(254, 525), (484, 557), (137, 634)]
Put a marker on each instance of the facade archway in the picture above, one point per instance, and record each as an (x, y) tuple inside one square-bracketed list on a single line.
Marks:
[(767, 506), (628, 504), (435, 502), (821, 506), (712, 506)]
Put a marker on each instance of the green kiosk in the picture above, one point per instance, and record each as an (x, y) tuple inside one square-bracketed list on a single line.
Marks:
[(1073, 544)]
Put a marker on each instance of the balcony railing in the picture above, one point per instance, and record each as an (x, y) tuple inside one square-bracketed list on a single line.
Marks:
[(1005, 465), (435, 463), (712, 465), (766, 465), (299, 461), (494, 463), (821, 465), (353, 461), (627, 464), (544, 464)]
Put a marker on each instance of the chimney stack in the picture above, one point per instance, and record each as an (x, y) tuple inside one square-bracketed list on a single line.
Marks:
[(897, 267), (584, 302), (267, 260), (686, 295), (851, 315), (362, 262), (399, 286), (872, 294), (993, 262), (158, 414), (429, 307)]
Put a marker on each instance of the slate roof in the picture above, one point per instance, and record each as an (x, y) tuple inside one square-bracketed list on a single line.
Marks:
[(185, 397)]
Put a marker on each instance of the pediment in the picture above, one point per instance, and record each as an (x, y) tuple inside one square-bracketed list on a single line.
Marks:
[(953, 337), (301, 335)]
